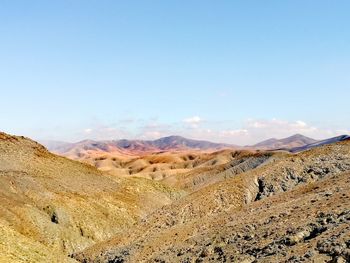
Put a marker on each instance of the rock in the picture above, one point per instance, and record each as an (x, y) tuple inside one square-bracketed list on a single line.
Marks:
[(294, 239), (340, 260)]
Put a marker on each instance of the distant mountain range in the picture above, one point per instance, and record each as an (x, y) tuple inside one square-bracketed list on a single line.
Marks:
[(133, 147), (295, 143)]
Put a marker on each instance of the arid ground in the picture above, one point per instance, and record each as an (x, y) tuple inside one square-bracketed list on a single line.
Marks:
[(175, 204)]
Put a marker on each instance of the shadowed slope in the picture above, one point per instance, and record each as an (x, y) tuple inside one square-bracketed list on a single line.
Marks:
[(320, 143)]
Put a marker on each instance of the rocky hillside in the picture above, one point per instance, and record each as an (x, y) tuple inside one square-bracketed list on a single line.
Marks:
[(292, 208), (52, 206), (224, 206)]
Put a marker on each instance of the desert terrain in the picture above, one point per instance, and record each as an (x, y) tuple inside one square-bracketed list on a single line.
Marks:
[(173, 201)]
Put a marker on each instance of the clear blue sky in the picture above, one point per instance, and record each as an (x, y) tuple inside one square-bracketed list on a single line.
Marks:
[(234, 71)]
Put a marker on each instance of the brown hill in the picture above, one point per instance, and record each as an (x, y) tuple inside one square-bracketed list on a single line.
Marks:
[(294, 141), (172, 156), (139, 158), (222, 206), (52, 206), (293, 208), (134, 147)]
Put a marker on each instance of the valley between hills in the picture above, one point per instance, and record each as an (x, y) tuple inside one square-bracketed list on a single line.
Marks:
[(175, 200)]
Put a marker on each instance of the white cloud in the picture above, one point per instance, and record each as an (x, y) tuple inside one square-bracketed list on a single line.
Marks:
[(300, 123), (238, 132), (343, 132), (279, 128), (151, 135), (101, 132), (193, 120)]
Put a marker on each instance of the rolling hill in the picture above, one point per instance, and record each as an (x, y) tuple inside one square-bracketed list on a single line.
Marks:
[(135, 147), (52, 206), (291, 208), (228, 205), (172, 156)]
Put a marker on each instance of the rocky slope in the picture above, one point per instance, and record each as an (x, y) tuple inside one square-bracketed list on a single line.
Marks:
[(224, 206), (293, 208), (52, 206)]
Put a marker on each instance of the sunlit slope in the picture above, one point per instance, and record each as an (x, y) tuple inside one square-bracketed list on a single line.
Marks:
[(294, 206), (57, 206)]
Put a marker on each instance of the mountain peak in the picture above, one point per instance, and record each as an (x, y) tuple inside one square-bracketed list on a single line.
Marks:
[(172, 138), (296, 140), (299, 136)]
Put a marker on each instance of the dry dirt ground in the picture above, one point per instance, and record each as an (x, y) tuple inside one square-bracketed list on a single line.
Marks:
[(227, 206)]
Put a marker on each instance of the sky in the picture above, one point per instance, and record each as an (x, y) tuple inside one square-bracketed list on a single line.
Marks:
[(226, 71)]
